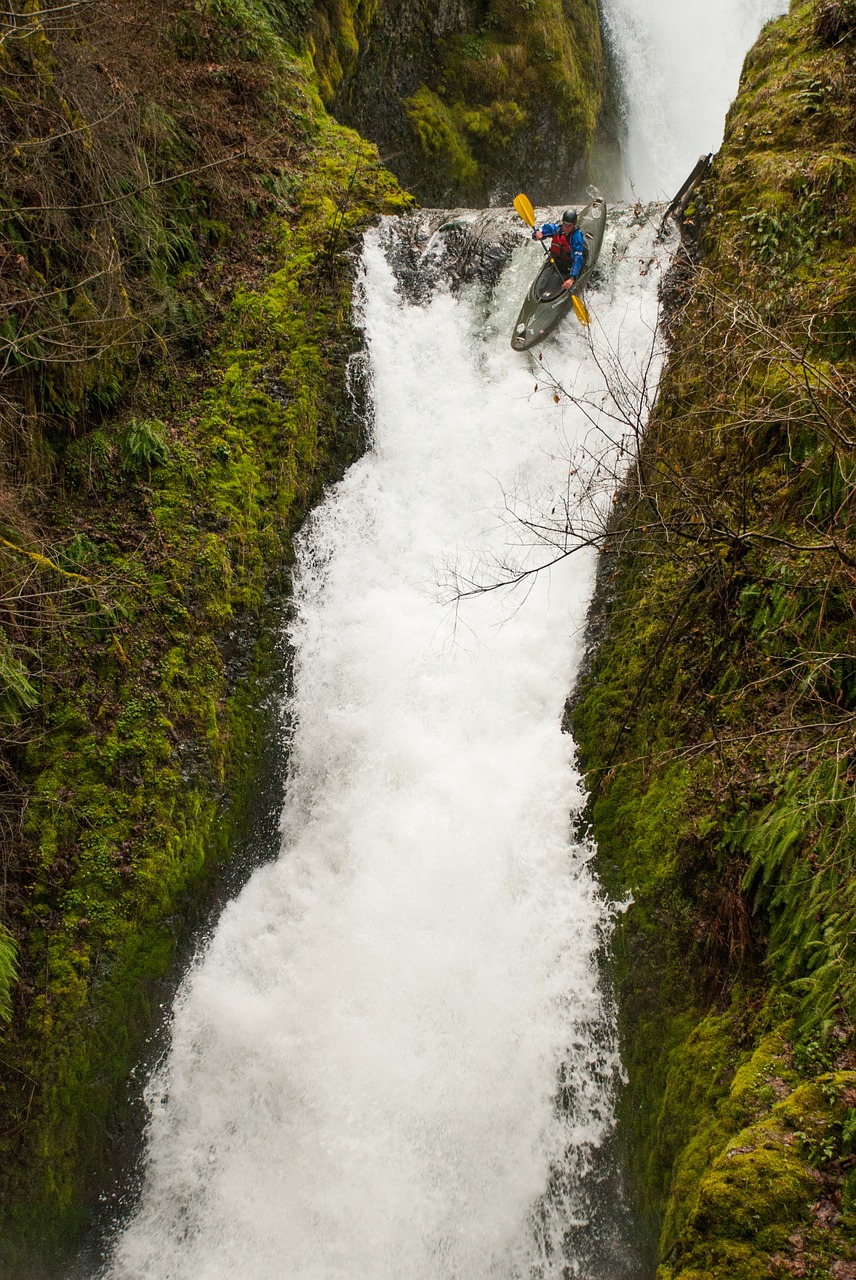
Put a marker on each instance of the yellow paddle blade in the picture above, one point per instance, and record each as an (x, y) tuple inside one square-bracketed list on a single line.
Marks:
[(523, 205), (580, 310)]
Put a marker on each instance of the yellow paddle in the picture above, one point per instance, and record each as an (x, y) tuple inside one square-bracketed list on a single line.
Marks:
[(523, 206), (580, 310)]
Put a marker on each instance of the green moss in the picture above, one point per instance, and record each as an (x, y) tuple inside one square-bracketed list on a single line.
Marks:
[(763, 1181), (440, 139), (716, 719), (481, 79)]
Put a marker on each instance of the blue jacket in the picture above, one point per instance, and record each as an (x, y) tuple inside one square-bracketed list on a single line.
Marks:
[(578, 244)]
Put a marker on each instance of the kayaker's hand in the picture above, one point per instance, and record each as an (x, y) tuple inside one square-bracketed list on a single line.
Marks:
[(539, 235), (569, 283)]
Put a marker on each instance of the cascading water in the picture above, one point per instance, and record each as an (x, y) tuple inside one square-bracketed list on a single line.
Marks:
[(394, 1058), (679, 63)]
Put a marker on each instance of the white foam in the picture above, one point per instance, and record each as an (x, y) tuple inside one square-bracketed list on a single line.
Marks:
[(363, 1073)]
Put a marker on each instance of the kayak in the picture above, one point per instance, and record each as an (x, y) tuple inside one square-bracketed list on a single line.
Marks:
[(546, 302)]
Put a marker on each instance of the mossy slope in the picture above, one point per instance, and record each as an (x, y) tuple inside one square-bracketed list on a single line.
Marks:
[(718, 721)]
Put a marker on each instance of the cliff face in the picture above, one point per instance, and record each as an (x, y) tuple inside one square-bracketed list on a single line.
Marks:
[(469, 100), (718, 722), (177, 224)]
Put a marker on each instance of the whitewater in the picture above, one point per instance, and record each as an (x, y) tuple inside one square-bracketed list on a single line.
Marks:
[(396, 1056), (679, 66)]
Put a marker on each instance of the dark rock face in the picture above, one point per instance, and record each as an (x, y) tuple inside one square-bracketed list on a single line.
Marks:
[(470, 101)]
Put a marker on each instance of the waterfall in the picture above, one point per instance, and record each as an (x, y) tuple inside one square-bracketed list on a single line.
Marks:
[(679, 63), (393, 1056)]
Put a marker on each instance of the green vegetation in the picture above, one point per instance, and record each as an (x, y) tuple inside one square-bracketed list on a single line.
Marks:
[(495, 90), (440, 137), (8, 972), (718, 722), (175, 306)]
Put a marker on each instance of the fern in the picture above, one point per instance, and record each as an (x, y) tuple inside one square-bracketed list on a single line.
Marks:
[(17, 694), (142, 445), (775, 840), (801, 874), (8, 972)]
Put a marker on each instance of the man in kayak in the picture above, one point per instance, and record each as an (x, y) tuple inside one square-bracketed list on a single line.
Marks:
[(567, 246)]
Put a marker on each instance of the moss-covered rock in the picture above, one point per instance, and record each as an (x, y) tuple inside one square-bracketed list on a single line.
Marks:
[(470, 102), (757, 1194), (717, 720)]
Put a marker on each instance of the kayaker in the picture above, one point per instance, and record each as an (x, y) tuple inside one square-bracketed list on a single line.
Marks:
[(567, 246)]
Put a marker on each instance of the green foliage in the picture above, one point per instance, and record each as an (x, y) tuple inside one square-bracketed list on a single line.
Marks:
[(439, 136), (80, 551), (790, 233), (17, 693), (497, 124), (8, 972), (778, 237), (143, 445), (802, 873), (244, 27), (88, 460)]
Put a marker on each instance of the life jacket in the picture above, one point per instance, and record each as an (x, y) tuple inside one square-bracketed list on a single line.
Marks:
[(561, 251)]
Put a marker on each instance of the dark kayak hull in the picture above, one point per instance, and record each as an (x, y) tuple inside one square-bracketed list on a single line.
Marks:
[(547, 302)]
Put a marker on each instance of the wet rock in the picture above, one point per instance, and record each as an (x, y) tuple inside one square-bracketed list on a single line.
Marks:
[(453, 249)]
